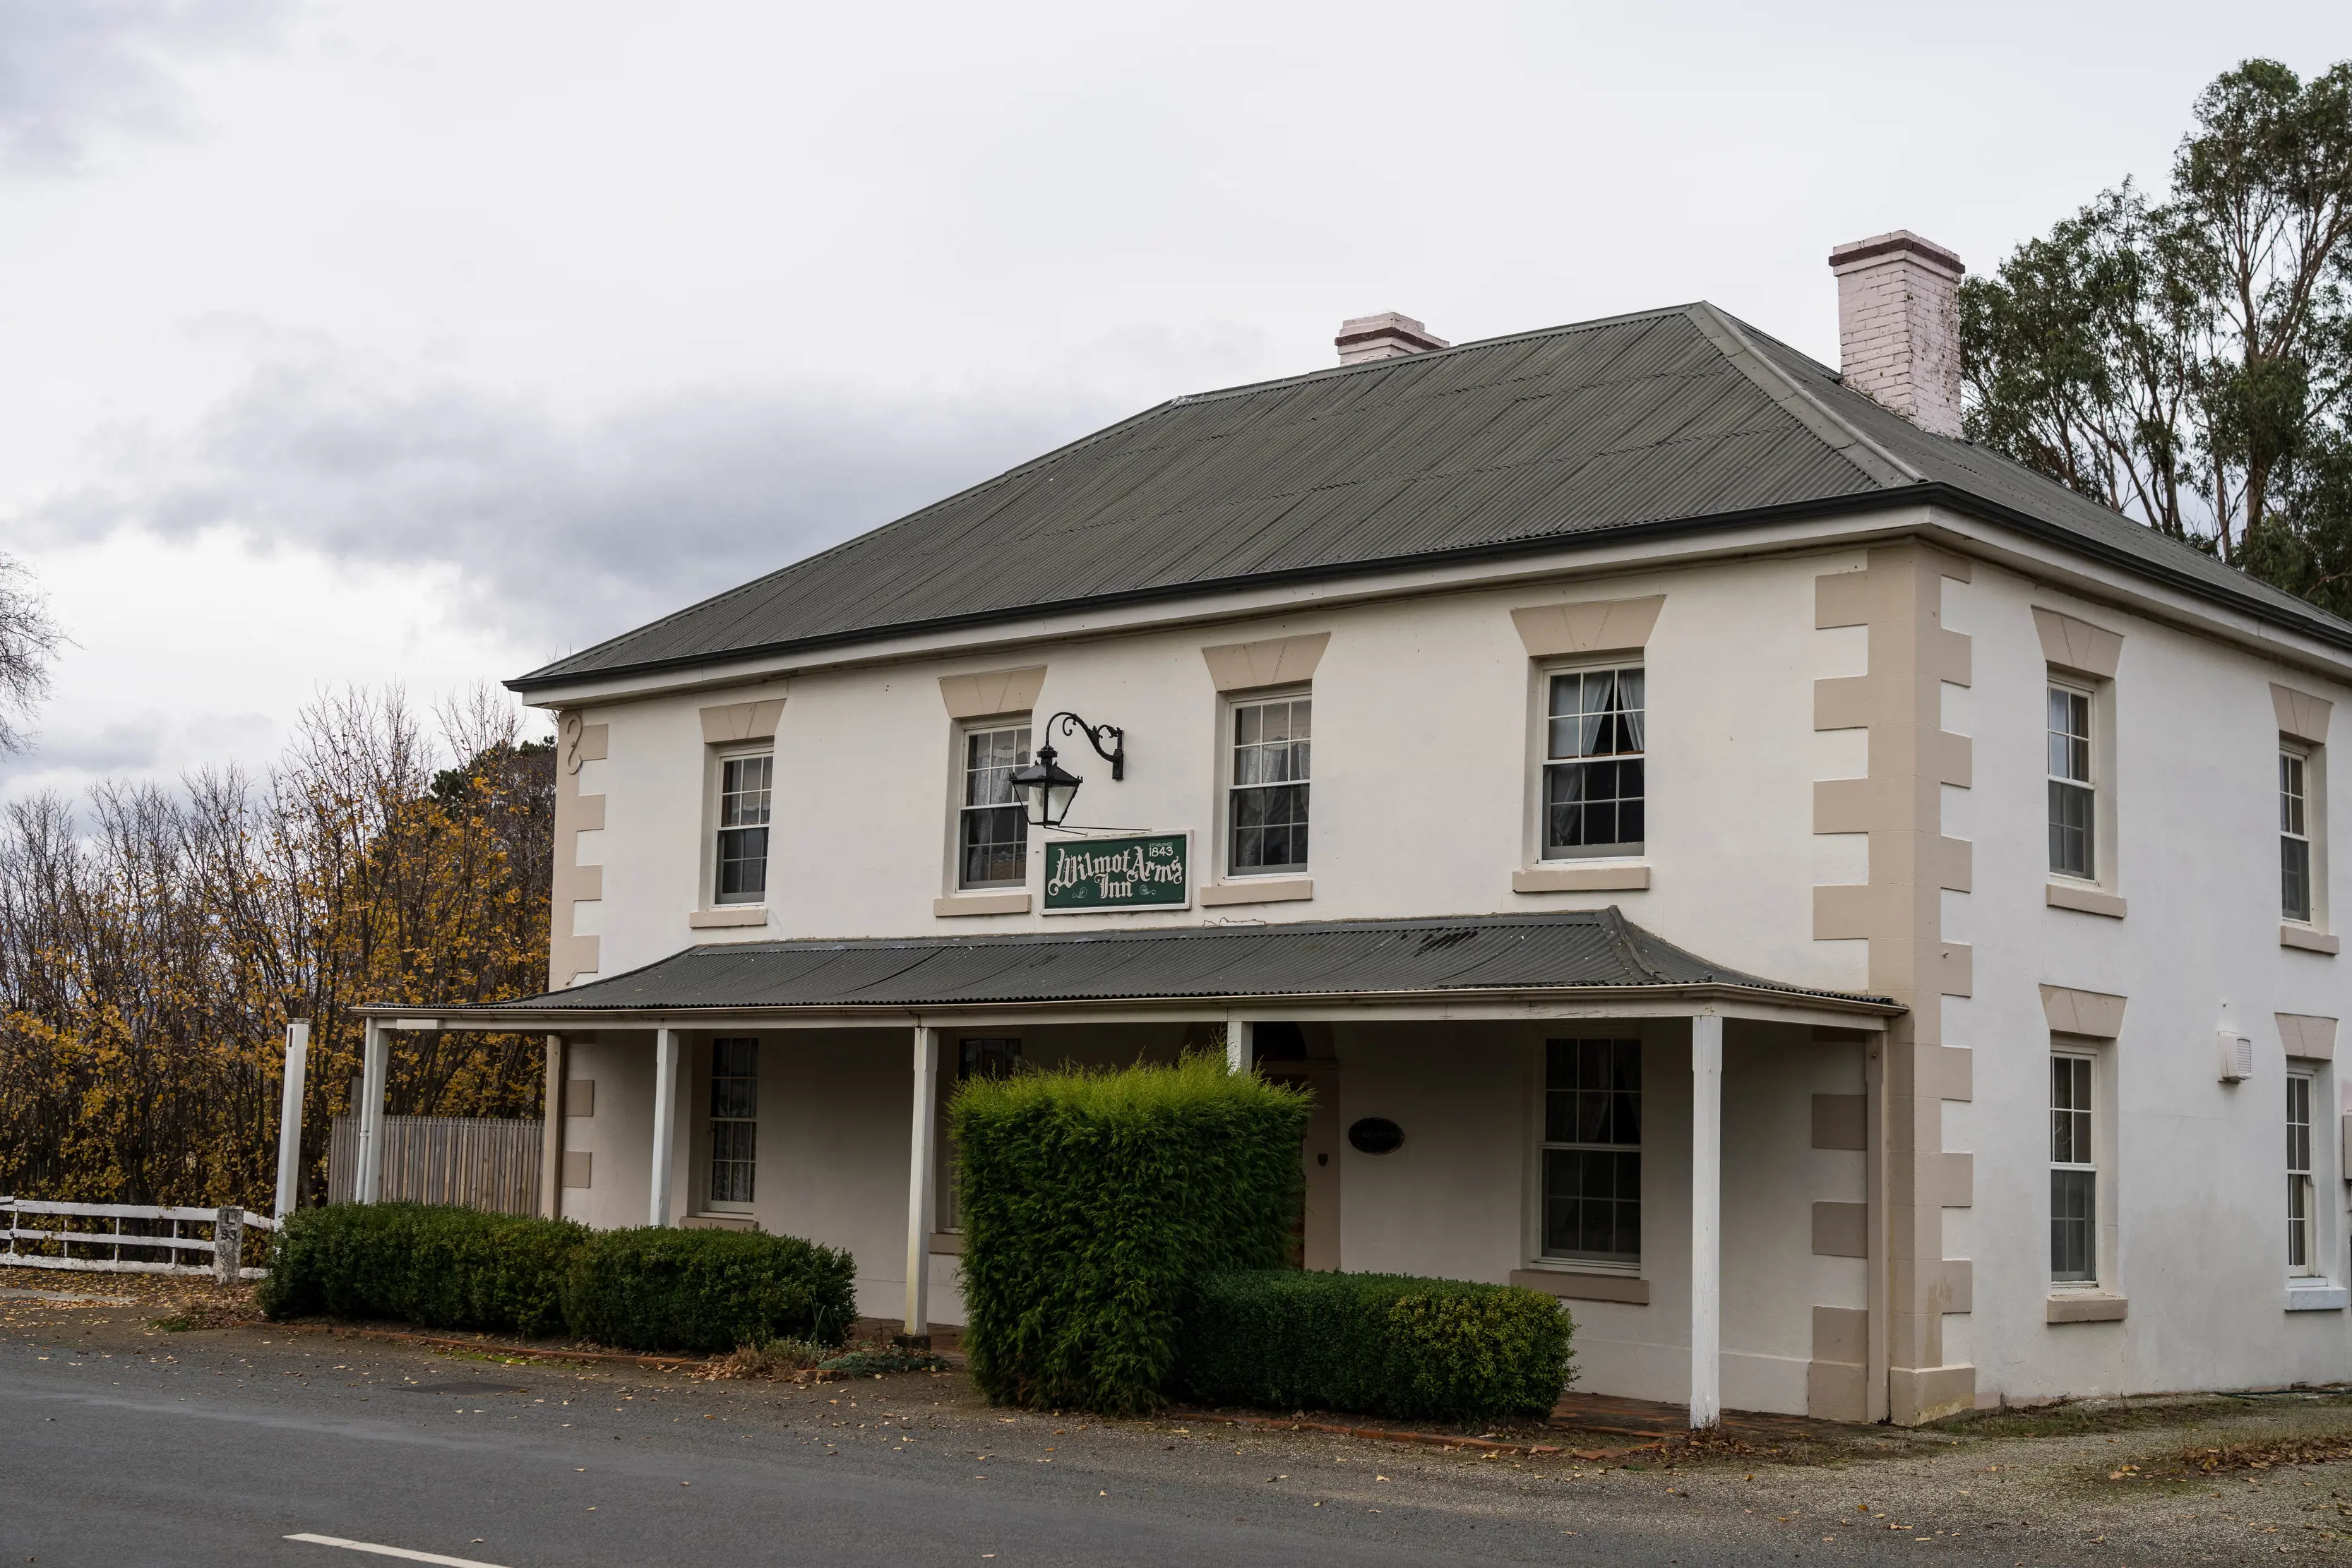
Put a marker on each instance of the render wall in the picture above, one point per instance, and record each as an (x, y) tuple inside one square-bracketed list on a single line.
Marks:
[(1425, 716), (2196, 1236), (1425, 720)]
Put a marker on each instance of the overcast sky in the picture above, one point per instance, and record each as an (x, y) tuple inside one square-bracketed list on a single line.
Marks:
[(421, 342)]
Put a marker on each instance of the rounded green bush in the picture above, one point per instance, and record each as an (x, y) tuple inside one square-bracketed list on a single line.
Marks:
[(431, 1265), (657, 1289), (1386, 1344)]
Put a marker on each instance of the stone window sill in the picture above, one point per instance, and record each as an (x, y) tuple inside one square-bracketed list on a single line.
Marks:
[(1013, 900), (716, 1222), (1257, 890), (2308, 940), (2086, 1307), (1558, 878), (2087, 899), (947, 1243), (2317, 1297), (727, 915), (1576, 1285)]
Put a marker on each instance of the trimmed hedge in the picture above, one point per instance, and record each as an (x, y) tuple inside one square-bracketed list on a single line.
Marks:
[(658, 1289), (426, 1264), (1092, 1199), (649, 1288), (1385, 1345)]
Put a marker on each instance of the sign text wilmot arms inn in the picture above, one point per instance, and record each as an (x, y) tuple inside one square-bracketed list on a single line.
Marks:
[(1148, 872)]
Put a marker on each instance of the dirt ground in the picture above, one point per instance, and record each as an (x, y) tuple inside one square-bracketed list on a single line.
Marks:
[(2236, 1478)]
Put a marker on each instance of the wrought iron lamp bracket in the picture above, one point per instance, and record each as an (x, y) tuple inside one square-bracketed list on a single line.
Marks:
[(1114, 754)]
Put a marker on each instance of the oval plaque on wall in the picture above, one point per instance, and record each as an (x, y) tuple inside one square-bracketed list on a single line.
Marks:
[(1376, 1136)]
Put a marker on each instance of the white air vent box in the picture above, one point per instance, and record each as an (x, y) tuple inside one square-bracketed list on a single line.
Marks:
[(2237, 1055)]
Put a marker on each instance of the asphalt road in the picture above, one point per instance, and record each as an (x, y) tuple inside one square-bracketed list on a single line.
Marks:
[(120, 1446)]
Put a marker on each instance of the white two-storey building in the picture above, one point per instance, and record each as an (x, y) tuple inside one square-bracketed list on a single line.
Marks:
[(1848, 914)]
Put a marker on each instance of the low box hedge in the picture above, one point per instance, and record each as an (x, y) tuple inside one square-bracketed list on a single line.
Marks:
[(427, 1264), (1091, 1200), (1384, 1344), (649, 1288), (657, 1289)]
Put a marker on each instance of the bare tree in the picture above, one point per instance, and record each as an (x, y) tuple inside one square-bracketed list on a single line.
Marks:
[(28, 644)]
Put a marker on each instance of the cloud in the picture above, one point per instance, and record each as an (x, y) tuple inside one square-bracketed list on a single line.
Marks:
[(73, 69), (567, 526)]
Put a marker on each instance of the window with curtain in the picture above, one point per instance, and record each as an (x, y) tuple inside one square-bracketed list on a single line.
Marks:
[(992, 830), (734, 1117), (742, 874), (2073, 1172), (1592, 1151), (1593, 782), (1274, 744)]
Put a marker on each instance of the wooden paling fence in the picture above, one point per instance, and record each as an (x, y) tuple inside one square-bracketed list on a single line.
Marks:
[(65, 1235), (477, 1162)]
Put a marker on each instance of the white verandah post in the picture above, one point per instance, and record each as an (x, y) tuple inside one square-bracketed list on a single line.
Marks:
[(290, 1116), (922, 1182), (374, 1065), (1706, 1222), (664, 1122), (1241, 1045)]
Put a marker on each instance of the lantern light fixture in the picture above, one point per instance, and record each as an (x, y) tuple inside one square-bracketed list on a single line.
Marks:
[(1047, 788)]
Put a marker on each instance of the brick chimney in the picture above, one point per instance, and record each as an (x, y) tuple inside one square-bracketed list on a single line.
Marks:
[(1386, 335), (1899, 326)]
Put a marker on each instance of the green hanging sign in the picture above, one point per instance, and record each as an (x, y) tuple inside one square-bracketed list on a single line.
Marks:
[(1149, 871)]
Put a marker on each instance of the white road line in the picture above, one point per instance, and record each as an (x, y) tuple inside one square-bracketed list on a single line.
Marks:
[(393, 1552)]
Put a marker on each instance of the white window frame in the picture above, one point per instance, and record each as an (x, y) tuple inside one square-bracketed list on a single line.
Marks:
[(961, 809), (2311, 762), (1229, 788), (715, 838), (712, 1121), (2307, 1221), (1540, 849), (1538, 1253), (2082, 1143), (2088, 782)]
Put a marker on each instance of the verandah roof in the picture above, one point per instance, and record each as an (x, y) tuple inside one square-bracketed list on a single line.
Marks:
[(1572, 951)]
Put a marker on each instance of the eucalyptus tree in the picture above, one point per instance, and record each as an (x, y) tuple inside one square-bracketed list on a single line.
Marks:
[(2188, 362)]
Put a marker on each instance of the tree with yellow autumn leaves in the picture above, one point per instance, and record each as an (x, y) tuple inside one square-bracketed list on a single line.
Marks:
[(153, 946)]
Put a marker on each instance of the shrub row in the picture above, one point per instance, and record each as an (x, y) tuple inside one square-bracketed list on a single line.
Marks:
[(649, 1288), (1092, 1200), (1387, 1345)]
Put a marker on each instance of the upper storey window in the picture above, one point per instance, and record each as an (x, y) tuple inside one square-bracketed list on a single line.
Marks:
[(1594, 784), (744, 787), (1274, 744), (2295, 835), (991, 830), (2073, 798)]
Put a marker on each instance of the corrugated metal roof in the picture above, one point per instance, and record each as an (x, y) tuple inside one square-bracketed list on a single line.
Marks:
[(1578, 950), (1677, 417)]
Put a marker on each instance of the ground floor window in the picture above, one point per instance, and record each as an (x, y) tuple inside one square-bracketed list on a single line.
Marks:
[(988, 1057), (1592, 1151), (2073, 1174), (2302, 1205), (734, 1117)]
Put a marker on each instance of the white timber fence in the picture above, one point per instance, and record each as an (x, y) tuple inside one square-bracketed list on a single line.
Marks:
[(67, 1235), (479, 1162)]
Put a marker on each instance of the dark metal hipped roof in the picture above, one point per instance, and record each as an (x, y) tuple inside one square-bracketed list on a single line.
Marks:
[(1579, 950), (1667, 420)]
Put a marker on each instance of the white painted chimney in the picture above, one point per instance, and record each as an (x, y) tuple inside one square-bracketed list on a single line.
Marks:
[(1899, 326), (1386, 335)]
